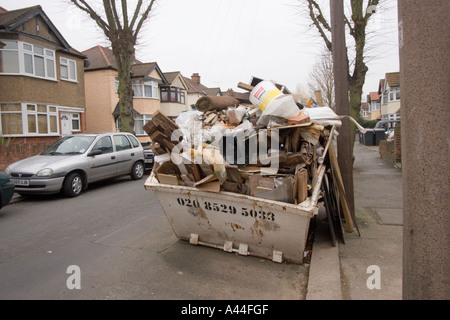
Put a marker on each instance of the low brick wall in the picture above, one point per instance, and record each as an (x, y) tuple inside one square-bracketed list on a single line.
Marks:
[(21, 148), (391, 150)]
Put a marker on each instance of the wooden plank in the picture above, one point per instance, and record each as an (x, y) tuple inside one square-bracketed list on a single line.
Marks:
[(341, 190), (245, 86)]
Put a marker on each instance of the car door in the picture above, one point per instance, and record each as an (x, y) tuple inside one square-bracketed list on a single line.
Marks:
[(103, 165), (124, 154)]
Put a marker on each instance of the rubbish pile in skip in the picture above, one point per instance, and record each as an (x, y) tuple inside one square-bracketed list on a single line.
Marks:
[(269, 148)]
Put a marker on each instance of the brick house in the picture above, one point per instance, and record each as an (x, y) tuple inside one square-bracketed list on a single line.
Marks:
[(101, 84), (41, 84)]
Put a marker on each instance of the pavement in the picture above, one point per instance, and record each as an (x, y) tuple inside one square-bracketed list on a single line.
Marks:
[(368, 266)]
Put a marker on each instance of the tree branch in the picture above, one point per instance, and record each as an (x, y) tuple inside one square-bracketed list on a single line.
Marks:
[(114, 24), (136, 13), (320, 22), (125, 13), (86, 8), (143, 18)]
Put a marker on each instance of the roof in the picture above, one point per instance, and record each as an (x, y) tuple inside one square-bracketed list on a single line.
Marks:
[(393, 79), (194, 87), (374, 96), (10, 20), (101, 58)]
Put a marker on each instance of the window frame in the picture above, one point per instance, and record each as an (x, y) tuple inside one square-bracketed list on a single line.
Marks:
[(140, 85), (29, 110), (144, 118), (47, 55), (172, 95), (67, 64)]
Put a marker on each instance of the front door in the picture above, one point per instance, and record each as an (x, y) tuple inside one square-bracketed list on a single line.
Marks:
[(66, 124)]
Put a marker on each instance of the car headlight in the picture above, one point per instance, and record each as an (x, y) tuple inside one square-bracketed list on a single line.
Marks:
[(45, 173), (8, 171)]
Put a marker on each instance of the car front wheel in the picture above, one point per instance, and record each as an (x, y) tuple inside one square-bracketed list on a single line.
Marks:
[(138, 171), (73, 185)]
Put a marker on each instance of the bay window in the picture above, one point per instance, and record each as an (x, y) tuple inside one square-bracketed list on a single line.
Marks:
[(22, 58), (28, 119), (172, 94), (145, 89)]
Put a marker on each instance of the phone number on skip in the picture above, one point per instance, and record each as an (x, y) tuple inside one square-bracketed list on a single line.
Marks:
[(229, 209)]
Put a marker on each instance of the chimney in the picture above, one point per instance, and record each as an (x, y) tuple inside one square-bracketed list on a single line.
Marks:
[(196, 78)]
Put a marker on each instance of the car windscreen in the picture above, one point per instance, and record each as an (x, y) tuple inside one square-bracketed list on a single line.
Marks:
[(69, 145)]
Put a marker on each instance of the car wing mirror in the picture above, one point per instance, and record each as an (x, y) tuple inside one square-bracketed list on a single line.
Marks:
[(94, 153)]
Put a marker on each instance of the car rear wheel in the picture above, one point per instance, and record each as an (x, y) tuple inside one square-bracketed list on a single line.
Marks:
[(138, 171), (73, 185)]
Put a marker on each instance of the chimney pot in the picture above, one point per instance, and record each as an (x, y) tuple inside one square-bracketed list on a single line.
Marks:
[(196, 78)]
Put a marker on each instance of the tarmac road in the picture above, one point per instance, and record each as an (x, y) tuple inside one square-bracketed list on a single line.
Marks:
[(118, 236)]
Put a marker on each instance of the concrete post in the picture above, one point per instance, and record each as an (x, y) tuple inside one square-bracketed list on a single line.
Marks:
[(424, 42)]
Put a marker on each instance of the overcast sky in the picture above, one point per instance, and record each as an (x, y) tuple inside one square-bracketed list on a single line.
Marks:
[(228, 41)]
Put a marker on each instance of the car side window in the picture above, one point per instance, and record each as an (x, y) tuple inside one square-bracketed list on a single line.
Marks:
[(134, 141), (121, 142), (104, 145)]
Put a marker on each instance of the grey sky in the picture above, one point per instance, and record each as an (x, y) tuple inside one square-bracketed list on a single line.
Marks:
[(228, 41)]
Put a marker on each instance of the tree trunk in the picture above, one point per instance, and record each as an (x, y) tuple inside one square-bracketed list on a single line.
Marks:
[(124, 54)]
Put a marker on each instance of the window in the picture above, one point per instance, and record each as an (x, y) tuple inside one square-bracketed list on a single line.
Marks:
[(134, 141), (23, 58), (145, 89), (104, 145), (9, 57), (394, 94), (68, 69), (28, 119), (385, 97), (172, 94), (121, 142), (139, 123), (76, 122)]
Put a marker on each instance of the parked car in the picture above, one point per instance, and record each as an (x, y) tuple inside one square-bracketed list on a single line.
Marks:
[(149, 156), (74, 161), (6, 189)]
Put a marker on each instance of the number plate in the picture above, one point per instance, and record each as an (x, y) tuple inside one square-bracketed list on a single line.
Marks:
[(19, 182), (148, 160)]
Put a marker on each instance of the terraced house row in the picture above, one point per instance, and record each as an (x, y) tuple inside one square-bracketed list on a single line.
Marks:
[(49, 89)]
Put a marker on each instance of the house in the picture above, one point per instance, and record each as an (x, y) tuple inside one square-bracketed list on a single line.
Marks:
[(173, 95), (42, 93), (364, 111), (389, 89), (101, 83), (197, 90), (374, 106)]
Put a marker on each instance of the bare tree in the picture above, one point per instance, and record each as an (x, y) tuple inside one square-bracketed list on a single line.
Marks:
[(122, 31), (322, 78), (357, 18)]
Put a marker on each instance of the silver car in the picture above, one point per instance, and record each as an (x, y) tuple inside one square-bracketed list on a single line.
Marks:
[(74, 161)]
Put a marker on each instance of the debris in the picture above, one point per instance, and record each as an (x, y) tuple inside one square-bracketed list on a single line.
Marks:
[(209, 103)]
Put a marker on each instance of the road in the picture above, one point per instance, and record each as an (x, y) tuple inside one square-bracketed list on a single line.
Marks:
[(118, 236)]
